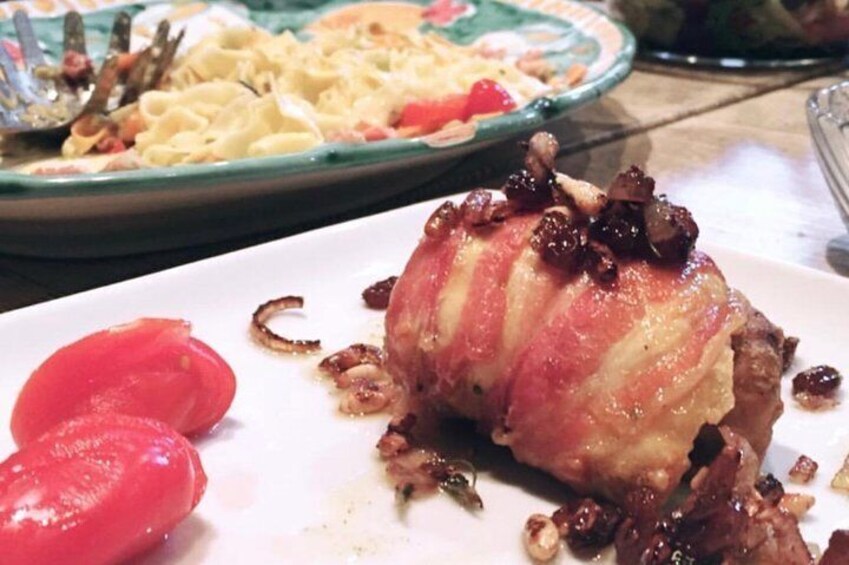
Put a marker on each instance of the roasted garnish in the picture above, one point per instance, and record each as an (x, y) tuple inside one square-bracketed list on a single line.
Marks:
[(266, 337), (841, 478), (585, 197), (803, 470), (587, 525), (480, 210), (726, 518), (442, 221), (631, 186), (453, 481), (796, 504), (816, 388), (377, 295), (670, 229), (541, 538), (560, 241), (352, 356)]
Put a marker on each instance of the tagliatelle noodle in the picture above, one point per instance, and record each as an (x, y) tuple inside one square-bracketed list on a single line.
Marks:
[(247, 93)]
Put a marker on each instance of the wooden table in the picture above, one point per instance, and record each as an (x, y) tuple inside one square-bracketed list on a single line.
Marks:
[(732, 147)]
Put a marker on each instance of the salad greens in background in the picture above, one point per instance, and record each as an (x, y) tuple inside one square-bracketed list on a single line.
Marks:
[(756, 28)]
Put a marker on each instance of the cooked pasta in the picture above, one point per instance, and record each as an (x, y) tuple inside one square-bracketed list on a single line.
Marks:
[(247, 93)]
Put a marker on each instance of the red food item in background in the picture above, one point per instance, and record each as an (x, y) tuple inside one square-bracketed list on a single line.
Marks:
[(485, 97), (61, 170), (150, 368), (444, 12), (488, 97), (96, 490), (432, 115), (76, 66), (110, 144), (13, 49)]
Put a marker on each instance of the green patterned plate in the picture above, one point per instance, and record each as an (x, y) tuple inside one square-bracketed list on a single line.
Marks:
[(143, 210)]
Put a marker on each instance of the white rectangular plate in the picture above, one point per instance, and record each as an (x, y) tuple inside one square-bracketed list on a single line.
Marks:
[(293, 481)]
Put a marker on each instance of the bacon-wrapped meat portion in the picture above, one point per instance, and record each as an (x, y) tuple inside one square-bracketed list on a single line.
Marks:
[(605, 385)]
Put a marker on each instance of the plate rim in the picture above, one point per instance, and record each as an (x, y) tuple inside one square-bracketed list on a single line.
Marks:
[(706, 246), (15, 185)]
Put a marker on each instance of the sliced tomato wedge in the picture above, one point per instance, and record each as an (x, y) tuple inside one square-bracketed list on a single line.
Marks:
[(488, 97), (150, 368), (432, 115), (95, 490), (427, 116)]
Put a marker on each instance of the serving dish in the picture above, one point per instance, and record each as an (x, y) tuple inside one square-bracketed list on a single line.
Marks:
[(143, 210), (828, 116), (291, 480), (772, 34)]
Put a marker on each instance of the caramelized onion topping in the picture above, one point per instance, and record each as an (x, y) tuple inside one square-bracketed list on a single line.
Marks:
[(596, 231), (560, 242), (263, 334), (352, 356), (727, 518), (479, 210), (601, 262), (377, 295), (442, 221), (631, 186), (770, 488), (816, 388), (541, 155), (422, 471), (670, 229), (529, 192), (620, 227), (588, 525)]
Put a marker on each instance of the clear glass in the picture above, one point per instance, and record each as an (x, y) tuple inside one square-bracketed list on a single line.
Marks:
[(828, 117)]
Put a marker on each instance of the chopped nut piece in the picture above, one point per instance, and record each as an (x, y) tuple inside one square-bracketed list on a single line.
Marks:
[(803, 470), (841, 478), (364, 397), (351, 356), (796, 504), (392, 444), (357, 373), (542, 540), (588, 198)]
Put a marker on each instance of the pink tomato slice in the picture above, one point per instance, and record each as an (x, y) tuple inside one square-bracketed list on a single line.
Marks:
[(150, 368), (96, 490)]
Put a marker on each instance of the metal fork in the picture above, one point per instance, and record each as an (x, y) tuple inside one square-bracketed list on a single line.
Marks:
[(37, 99)]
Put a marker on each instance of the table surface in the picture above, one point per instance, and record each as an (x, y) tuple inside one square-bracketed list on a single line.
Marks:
[(733, 147)]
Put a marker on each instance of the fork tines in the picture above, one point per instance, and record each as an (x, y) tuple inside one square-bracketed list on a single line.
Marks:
[(30, 103)]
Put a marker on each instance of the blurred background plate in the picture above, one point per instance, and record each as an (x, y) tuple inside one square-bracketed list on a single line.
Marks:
[(732, 34), (138, 211)]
